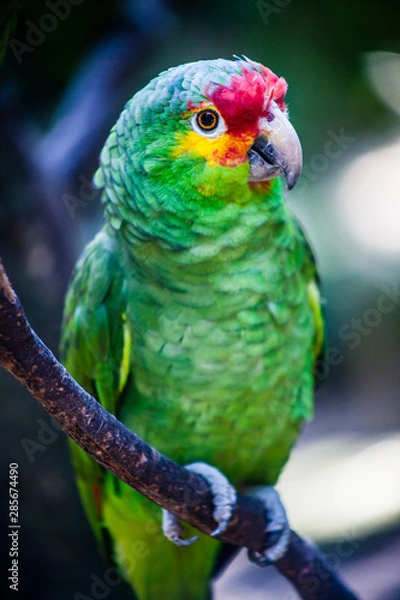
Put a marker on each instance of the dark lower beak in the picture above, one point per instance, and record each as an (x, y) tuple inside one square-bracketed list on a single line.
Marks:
[(277, 150)]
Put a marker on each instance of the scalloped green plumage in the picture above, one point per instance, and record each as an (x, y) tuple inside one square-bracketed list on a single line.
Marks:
[(194, 316)]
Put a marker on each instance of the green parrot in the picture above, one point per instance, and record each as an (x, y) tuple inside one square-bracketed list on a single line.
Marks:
[(194, 315)]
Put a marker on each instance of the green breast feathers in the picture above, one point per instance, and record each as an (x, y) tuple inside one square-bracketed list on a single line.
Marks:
[(194, 315)]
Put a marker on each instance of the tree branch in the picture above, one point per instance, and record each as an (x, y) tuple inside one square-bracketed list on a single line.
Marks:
[(130, 459)]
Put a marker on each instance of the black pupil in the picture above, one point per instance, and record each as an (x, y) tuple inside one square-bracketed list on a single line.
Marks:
[(208, 120)]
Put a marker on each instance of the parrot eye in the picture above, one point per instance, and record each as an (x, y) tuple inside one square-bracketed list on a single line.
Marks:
[(207, 120), (208, 123)]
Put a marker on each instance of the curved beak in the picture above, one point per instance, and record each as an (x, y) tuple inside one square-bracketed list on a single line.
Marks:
[(277, 150)]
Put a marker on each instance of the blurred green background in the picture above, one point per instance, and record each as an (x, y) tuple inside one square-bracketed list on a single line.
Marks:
[(67, 72)]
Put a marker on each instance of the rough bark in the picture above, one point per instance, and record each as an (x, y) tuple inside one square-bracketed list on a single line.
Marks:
[(133, 461)]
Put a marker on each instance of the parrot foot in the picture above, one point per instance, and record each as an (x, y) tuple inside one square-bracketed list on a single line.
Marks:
[(277, 528), (224, 496)]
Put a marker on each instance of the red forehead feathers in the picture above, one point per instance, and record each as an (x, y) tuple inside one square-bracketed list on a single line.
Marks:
[(247, 97), (278, 86)]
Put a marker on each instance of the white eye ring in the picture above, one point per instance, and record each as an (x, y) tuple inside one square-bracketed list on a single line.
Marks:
[(210, 129)]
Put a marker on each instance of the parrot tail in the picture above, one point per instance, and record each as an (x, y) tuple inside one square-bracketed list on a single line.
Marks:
[(156, 568)]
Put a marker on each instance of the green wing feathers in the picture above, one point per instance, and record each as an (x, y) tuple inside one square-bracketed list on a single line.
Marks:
[(314, 296), (94, 350), (315, 302)]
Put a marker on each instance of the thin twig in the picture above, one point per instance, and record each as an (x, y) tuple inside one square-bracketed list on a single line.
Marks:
[(130, 459)]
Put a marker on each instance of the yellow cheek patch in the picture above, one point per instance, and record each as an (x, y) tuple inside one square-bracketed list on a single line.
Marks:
[(227, 150)]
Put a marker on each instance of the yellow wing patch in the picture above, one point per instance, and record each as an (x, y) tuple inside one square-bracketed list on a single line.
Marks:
[(126, 352), (315, 303)]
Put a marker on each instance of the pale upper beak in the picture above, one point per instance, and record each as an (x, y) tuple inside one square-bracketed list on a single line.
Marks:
[(276, 150)]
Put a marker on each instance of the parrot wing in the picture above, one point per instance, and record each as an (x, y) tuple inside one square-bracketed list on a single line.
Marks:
[(315, 299), (314, 295), (95, 349)]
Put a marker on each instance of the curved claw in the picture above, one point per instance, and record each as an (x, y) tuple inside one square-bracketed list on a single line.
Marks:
[(182, 542), (172, 530), (272, 554), (220, 529), (223, 521), (259, 559), (277, 529), (224, 496)]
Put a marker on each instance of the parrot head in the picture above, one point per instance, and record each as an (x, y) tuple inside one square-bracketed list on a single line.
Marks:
[(203, 133), (240, 118)]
